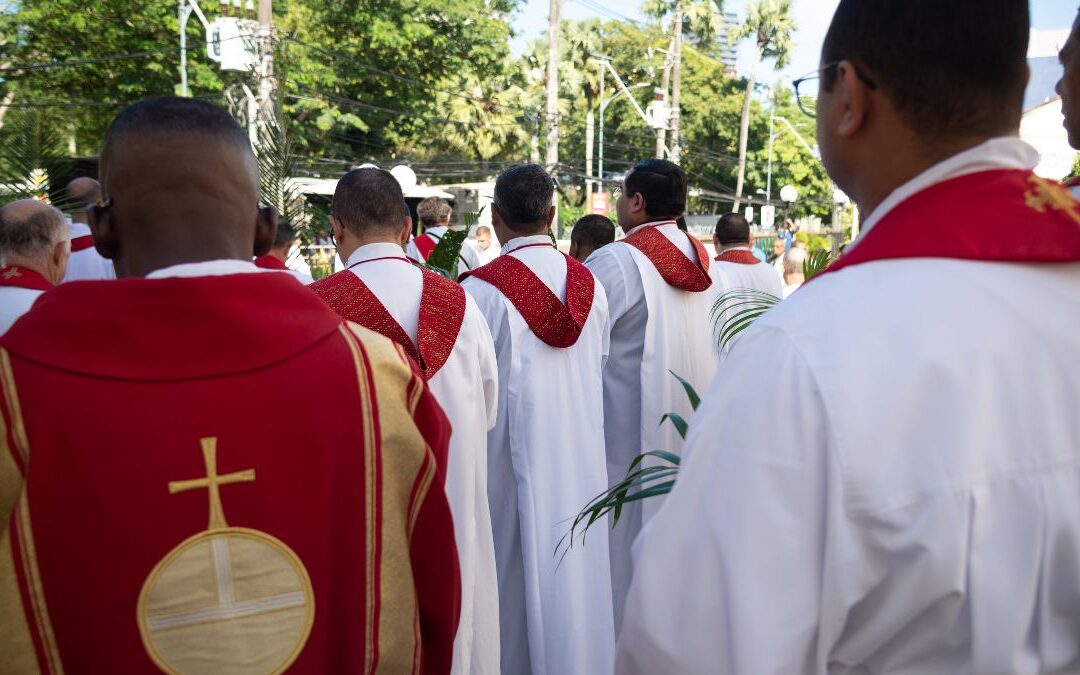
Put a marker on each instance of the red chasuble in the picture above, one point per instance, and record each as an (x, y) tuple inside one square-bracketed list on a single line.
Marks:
[(442, 309), (82, 243), (556, 324), (222, 476), (738, 256), (269, 262), (674, 267), (426, 244), (1004, 215), (21, 277)]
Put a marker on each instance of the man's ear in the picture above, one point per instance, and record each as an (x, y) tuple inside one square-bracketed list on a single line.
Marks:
[(406, 230), (551, 215), (496, 217), (636, 203), (99, 218), (265, 230), (852, 95), (716, 243)]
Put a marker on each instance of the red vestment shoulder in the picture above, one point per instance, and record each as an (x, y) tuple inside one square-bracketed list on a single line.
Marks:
[(219, 468), (442, 311), (674, 267), (556, 324), (269, 262), (426, 244)]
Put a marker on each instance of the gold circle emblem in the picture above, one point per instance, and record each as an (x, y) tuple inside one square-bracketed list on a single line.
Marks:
[(227, 600)]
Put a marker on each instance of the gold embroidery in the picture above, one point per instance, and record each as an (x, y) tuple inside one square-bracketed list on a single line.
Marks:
[(1046, 194), (34, 587), (12, 273), (228, 599), (18, 429)]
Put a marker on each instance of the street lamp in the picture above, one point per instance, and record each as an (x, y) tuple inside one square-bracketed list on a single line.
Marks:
[(813, 153), (603, 106)]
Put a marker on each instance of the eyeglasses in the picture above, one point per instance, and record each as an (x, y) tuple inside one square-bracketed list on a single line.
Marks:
[(806, 87)]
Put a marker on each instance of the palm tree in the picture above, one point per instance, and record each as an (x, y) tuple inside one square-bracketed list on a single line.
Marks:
[(771, 24), (581, 39)]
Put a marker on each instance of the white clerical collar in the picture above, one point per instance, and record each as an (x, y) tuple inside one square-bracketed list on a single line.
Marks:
[(520, 242), (732, 248), (1003, 152), (653, 223), (382, 249), (208, 268), (437, 231)]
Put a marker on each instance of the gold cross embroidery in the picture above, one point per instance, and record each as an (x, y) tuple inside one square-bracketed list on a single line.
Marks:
[(12, 273), (212, 481), (1046, 194)]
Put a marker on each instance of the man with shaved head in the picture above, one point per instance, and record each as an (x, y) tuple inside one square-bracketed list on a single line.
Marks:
[(162, 519), (86, 263), (33, 252)]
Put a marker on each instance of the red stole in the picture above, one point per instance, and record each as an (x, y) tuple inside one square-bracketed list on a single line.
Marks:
[(21, 277), (269, 262), (1003, 215), (82, 243), (674, 267), (426, 244), (556, 324), (442, 310), (738, 256)]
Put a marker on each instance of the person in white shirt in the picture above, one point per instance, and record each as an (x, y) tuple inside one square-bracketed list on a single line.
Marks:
[(917, 510), (434, 214), (34, 248), (548, 317), (441, 328), (590, 233), (487, 248), (735, 267), (659, 296), (85, 263), (278, 256), (793, 270)]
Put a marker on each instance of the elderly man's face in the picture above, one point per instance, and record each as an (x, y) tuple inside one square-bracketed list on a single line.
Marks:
[(1068, 87), (778, 246)]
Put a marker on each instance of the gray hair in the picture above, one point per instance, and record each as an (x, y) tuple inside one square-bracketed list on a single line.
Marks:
[(793, 261), (30, 232)]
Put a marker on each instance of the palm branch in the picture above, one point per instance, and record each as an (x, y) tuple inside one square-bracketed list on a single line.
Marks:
[(444, 259), (735, 310), (816, 262), (31, 153)]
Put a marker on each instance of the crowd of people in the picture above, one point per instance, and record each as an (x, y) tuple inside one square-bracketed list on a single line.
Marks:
[(387, 460)]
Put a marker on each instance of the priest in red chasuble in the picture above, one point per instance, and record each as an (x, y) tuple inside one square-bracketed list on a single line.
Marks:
[(548, 317), (441, 328), (35, 247), (659, 295), (221, 476), (917, 507)]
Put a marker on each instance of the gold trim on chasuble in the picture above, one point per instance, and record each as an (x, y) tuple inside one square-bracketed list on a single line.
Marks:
[(228, 599)]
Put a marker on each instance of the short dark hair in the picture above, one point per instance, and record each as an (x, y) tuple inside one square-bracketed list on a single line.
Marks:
[(593, 230), (176, 114), (661, 183), (523, 196), (285, 234), (732, 228), (950, 68), (367, 199)]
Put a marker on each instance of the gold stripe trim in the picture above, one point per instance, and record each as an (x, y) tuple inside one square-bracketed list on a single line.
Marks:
[(22, 445), (33, 583), (370, 506), (421, 493)]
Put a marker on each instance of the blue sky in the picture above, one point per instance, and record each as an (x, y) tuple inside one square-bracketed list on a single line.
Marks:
[(812, 16)]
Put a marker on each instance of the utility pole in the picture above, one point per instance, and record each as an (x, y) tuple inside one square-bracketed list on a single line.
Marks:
[(551, 110), (265, 38), (676, 85), (665, 85)]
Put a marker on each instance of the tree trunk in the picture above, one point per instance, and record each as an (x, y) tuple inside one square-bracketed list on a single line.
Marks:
[(551, 110), (676, 83), (744, 131), (590, 133), (9, 97), (665, 85)]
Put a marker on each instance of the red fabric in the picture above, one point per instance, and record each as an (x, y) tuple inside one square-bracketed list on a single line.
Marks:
[(425, 243), (82, 243), (112, 420), (21, 277), (1003, 215), (674, 267), (1072, 182), (738, 256), (442, 310), (556, 324), (269, 262)]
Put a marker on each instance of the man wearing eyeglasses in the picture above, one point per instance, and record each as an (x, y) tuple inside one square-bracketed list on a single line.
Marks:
[(918, 510)]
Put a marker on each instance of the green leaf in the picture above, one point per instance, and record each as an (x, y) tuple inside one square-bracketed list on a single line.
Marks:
[(691, 394), (677, 420), (444, 259)]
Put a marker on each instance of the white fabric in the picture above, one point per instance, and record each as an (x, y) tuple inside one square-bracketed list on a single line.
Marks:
[(546, 462), (467, 389), (87, 264), (655, 328), (490, 254), (909, 500), (14, 302), (468, 259), (729, 276), (207, 268), (789, 289), (412, 252)]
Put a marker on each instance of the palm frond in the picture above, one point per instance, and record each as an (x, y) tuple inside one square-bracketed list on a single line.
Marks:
[(444, 259), (31, 155), (735, 310), (816, 262)]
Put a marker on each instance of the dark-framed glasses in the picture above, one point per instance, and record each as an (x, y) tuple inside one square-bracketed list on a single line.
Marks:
[(806, 87)]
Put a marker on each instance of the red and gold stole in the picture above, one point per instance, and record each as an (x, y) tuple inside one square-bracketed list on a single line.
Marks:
[(738, 256), (674, 267), (442, 310), (556, 324), (21, 277), (1003, 215)]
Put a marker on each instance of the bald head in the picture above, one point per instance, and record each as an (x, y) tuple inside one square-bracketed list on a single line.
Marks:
[(34, 235), (84, 191), (182, 186)]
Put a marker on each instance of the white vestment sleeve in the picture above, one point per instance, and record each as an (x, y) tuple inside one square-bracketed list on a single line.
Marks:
[(728, 574)]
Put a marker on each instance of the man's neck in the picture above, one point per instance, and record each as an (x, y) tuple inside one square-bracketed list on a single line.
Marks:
[(281, 254), (31, 264), (728, 247), (521, 235), (792, 279)]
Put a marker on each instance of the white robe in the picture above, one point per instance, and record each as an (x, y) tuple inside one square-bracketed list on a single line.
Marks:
[(14, 302), (909, 503), (655, 328), (728, 276), (546, 462), (467, 389), (469, 259), (87, 264)]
